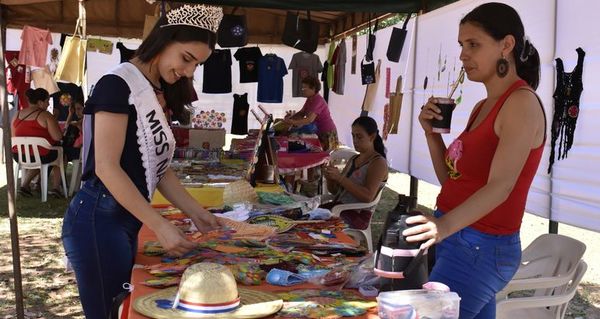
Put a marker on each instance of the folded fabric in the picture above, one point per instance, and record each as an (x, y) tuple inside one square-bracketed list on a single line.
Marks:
[(281, 277), (275, 198), (319, 214)]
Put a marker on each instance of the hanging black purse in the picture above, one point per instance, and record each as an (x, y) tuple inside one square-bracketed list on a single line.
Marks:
[(302, 34), (233, 31), (371, 39), (397, 41), (367, 71)]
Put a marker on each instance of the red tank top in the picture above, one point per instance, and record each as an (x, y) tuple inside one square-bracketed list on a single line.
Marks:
[(469, 159), (25, 127)]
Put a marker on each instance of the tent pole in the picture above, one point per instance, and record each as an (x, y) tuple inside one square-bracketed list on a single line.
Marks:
[(414, 182), (10, 182), (553, 225)]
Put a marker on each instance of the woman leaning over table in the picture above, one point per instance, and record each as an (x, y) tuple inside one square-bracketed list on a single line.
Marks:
[(129, 155), (487, 171)]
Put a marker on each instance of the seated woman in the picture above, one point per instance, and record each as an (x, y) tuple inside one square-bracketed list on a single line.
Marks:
[(72, 140), (35, 121), (364, 175), (315, 110)]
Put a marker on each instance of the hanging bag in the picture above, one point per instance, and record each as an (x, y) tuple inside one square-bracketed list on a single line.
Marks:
[(233, 30), (395, 106), (367, 71), (371, 39), (302, 34), (397, 41), (71, 65)]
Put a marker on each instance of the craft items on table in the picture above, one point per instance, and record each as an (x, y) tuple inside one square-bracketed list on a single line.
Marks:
[(208, 288), (280, 223), (198, 173), (313, 303)]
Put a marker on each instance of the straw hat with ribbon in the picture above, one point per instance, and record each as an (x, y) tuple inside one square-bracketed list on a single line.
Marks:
[(208, 290)]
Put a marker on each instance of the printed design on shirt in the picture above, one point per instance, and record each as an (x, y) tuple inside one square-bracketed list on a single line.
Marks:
[(303, 73), (573, 111), (455, 151), (237, 30), (66, 99), (250, 66)]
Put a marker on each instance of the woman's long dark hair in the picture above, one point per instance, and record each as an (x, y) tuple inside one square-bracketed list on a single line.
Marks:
[(178, 95), (370, 126), (499, 20)]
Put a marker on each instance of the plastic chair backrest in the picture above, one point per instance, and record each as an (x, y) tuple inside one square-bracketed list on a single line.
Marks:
[(28, 150), (341, 155), (550, 255)]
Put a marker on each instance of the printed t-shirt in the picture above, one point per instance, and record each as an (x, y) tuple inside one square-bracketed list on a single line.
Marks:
[(271, 70), (303, 64), (248, 59), (217, 72)]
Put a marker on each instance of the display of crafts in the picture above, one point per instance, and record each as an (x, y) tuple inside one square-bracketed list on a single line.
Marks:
[(253, 250), (313, 303), (209, 119), (199, 173)]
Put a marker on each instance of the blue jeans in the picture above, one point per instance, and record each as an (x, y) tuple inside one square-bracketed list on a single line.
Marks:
[(476, 266), (100, 240)]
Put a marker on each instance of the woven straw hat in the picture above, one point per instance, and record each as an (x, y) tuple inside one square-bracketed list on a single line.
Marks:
[(238, 192), (208, 290)]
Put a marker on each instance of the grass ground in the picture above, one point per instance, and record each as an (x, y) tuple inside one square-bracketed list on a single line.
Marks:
[(50, 292)]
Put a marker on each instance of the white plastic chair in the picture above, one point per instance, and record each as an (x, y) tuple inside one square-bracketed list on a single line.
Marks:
[(552, 267), (338, 209), (75, 182), (33, 161)]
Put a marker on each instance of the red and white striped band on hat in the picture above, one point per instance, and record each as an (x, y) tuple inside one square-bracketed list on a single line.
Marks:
[(208, 308)]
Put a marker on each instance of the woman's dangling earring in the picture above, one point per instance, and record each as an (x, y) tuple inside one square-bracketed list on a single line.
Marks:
[(502, 67)]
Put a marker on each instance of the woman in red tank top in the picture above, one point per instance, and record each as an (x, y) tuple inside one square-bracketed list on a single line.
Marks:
[(35, 121), (487, 171)]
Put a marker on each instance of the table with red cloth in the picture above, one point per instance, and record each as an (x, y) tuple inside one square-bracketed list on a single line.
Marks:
[(287, 163), (139, 275)]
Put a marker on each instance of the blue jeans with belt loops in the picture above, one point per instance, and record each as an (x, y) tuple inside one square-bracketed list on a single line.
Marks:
[(100, 240), (476, 266)]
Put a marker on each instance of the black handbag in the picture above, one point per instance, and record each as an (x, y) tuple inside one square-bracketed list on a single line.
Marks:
[(397, 41), (233, 31), (371, 38), (302, 34), (367, 71)]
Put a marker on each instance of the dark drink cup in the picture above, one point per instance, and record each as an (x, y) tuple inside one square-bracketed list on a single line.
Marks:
[(446, 106)]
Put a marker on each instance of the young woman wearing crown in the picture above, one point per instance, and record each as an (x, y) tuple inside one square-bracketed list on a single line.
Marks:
[(128, 154)]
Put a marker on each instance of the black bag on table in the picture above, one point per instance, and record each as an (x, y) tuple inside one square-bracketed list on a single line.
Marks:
[(397, 41), (233, 31), (302, 34)]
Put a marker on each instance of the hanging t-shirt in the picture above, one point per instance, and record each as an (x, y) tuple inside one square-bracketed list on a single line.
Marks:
[(34, 46), (68, 94), (303, 64), (271, 70), (126, 54), (340, 68), (217, 72), (16, 75), (248, 58), (324, 80)]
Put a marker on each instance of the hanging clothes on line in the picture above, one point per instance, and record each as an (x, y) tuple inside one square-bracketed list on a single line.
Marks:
[(16, 78), (303, 64), (126, 54), (239, 122), (271, 70), (34, 46), (217, 72), (339, 58)]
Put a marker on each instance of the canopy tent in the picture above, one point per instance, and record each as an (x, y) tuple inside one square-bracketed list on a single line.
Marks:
[(266, 18)]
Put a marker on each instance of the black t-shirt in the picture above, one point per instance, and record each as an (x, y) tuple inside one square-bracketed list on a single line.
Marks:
[(68, 94), (217, 72), (248, 58), (111, 94)]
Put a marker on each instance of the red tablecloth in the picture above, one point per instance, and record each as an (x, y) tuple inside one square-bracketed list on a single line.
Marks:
[(139, 275)]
